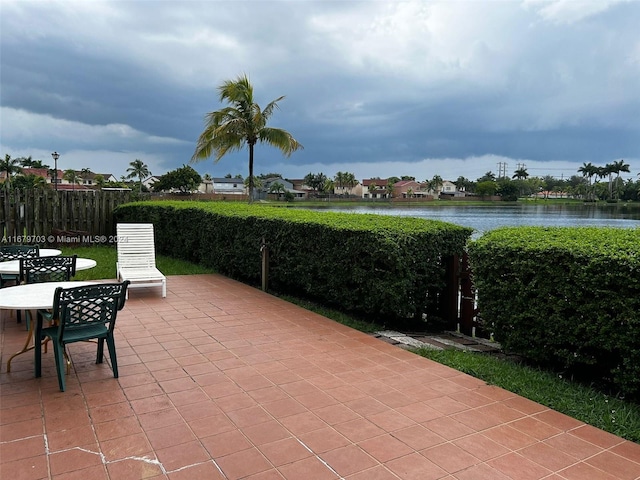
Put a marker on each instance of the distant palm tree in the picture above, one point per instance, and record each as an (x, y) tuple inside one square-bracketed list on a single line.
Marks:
[(521, 174), (140, 170), (436, 184), (72, 177), (617, 167), (588, 170), (242, 123), (9, 166)]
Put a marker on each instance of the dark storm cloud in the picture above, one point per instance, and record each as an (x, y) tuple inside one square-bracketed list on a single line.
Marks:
[(422, 85)]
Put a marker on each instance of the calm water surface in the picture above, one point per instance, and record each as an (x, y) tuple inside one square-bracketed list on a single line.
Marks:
[(483, 218)]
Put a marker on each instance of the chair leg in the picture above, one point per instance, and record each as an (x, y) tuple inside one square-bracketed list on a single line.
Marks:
[(100, 353), (60, 364), (111, 345)]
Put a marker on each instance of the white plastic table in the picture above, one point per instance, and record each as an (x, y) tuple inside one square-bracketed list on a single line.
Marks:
[(49, 252), (33, 296), (13, 266)]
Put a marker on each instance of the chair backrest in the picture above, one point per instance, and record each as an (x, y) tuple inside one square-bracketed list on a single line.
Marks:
[(136, 245), (83, 307), (16, 252), (47, 269)]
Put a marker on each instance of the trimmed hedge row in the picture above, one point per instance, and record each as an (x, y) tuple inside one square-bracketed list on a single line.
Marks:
[(383, 267), (568, 298)]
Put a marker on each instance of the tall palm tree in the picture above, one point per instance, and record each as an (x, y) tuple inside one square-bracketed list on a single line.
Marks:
[(9, 166), (241, 123), (617, 167), (138, 169), (435, 184), (588, 170)]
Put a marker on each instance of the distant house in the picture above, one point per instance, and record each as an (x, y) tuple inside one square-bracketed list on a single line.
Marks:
[(409, 189), (288, 186), (228, 186), (379, 192), (148, 182), (89, 178), (450, 189)]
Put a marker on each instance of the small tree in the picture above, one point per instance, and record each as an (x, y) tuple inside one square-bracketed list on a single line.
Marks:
[(184, 179)]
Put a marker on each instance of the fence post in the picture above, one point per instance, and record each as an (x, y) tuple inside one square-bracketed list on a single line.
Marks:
[(449, 296), (467, 297), (265, 265)]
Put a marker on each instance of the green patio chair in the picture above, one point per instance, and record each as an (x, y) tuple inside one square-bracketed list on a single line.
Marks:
[(47, 269), (15, 252), (83, 313)]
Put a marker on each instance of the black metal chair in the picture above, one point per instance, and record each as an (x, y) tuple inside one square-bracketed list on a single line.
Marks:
[(81, 314), (47, 269), (15, 252)]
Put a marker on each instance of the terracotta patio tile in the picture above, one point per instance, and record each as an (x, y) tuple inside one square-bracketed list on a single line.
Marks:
[(123, 447), (517, 466), (415, 467), (359, 429), (73, 437), (284, 451), (348, 459), (385, 448), (335, 414), (615, 465), (32, 468), (23, 448), (179, 456), (596, 436), (323, 439), (481, 471), (572, 445), (23, 429), (244, 463), (450, 458), (71, 460), (628, 450), (226, 443), (160, 418), (203, 427), (378, 472), (547, 456), (582, 471), (448, 428), (284, 407), (134, 470), (97, 472), (266, 432), (207, 470), (302, 423), (169, 436), (481, 447), (308, 468)]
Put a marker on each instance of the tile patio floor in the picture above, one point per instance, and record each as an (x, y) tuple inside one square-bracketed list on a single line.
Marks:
[(222, 381)]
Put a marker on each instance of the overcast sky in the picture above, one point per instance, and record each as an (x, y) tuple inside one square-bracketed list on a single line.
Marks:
[(376, 88)]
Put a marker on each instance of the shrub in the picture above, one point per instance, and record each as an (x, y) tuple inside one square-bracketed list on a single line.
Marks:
[(373, 265), (568, 298)]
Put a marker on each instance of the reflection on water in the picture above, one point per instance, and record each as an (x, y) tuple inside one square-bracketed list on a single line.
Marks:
[(483, 218)]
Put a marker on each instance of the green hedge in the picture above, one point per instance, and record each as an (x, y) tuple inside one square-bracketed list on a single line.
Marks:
[(564, 297), (379, 266)]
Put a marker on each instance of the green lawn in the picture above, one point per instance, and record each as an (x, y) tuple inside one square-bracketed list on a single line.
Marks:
[(106, 263)]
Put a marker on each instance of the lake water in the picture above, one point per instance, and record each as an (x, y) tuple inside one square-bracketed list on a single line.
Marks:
[(483, 218)]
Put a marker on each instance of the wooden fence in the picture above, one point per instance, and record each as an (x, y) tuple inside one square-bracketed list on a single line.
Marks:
[(40, 216)]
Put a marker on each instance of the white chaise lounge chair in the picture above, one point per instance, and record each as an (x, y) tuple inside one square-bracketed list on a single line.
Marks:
[(137, 257)]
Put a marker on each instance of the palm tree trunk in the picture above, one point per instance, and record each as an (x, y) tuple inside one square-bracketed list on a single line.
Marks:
[(250, 172)]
